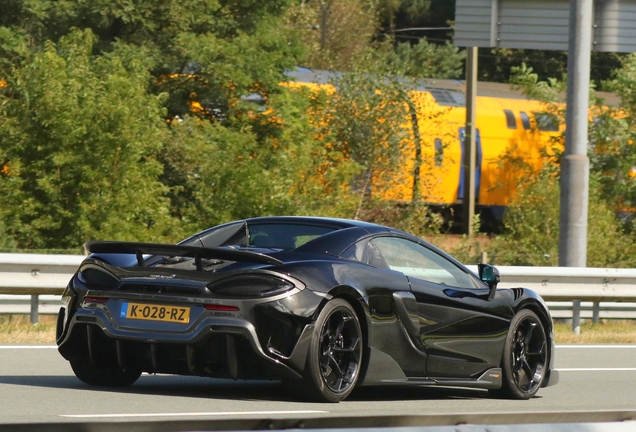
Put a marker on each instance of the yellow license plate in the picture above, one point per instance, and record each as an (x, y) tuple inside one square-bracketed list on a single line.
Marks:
[(153, 312)]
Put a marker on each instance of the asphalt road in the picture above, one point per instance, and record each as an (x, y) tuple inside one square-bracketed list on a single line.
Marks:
[(37, 385)]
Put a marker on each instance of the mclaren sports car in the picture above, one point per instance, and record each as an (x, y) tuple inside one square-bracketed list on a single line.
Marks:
[(323, 305)]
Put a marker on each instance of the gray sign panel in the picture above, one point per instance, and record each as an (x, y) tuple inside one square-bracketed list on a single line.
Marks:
[(542, 24)]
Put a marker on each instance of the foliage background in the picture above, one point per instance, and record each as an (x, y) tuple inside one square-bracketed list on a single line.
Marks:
[(138, 120)]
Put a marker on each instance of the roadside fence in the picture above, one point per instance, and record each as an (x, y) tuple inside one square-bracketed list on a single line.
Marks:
[(588, 292)]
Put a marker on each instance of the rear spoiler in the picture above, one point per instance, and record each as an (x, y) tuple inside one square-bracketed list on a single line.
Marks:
[(198, 253)]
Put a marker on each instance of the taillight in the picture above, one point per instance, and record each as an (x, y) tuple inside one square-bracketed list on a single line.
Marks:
[(222, 308), (91, 299)]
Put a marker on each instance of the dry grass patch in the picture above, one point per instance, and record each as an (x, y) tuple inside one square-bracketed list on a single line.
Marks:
[(17, 329), (606, 331)]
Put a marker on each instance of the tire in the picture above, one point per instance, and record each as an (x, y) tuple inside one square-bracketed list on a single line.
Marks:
[(334, 359), (525, 357), (103, 376)]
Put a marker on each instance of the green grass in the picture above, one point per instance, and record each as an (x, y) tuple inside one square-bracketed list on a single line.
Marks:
[(17, 329)]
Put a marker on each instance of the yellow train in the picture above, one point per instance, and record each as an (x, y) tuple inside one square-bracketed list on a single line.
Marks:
[(509, 127)]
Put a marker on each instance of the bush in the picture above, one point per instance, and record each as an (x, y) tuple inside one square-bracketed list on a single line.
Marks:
[(531, 235)]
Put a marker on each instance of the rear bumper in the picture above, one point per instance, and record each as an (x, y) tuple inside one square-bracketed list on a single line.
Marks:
[(215, 344)]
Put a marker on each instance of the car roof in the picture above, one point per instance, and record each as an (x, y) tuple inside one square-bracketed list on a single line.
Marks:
[(345, 232), (315, 220)]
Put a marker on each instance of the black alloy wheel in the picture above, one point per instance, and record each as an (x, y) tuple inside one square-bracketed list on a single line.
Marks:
[(525, 358), (335, 354)]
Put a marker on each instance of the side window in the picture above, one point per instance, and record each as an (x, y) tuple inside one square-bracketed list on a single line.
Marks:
[(415, 260), (233, 233), (365, 252), (546, 122), (511, 122), (525, 120)]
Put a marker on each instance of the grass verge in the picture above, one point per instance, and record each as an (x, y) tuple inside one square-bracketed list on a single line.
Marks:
[(17, 329), (606, 331)]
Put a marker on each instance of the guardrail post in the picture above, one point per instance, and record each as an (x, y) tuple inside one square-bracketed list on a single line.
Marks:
[(35, 304), (596, 310), (576, 316)]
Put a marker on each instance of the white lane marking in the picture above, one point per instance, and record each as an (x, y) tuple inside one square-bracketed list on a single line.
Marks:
[(27, 346), (618, 346), (595, 369), (558, 346), (227, 413)]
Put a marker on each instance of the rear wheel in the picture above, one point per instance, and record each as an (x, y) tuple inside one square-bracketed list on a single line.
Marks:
[(334, 359), (112, 376), (525, 357)]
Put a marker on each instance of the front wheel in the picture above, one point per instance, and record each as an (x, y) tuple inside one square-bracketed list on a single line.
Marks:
[(334, 359), (525, 356), (112, 376)]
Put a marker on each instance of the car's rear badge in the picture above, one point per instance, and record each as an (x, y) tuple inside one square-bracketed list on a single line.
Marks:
[(159, 276)]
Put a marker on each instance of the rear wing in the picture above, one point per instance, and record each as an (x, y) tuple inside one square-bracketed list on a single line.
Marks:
[(198, 253)]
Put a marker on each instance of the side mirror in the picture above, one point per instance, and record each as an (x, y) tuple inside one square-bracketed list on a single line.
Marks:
[(490, 275)]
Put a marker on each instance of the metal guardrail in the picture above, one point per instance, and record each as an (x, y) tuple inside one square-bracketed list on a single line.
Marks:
[(35, 275), (574, 284), (570, 283)]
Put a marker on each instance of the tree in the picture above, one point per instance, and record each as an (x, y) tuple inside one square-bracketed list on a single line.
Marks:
[(224, 174), (532, 227), (402, 13), (611, 129), (427, 60), (412, 21), (336, 32), (498, 64), (211, 52), (80, 139), (532, 220), (196, 63), (613, 137), (7, 244), (363, 120), (374, 119)]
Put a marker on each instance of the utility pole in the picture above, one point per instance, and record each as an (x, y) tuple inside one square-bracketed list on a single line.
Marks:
[(470, 148), (575, 165)]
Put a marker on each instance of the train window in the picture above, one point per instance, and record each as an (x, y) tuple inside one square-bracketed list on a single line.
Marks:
[(546, 122), (525, 120), (448, 97), (439, 152), (510, 119)]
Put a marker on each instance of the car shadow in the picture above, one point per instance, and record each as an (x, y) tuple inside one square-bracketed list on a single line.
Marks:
[(164, 385), (413, 392), (213, 388)]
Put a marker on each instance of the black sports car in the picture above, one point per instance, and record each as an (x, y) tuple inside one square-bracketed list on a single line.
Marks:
[(324, 305)]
